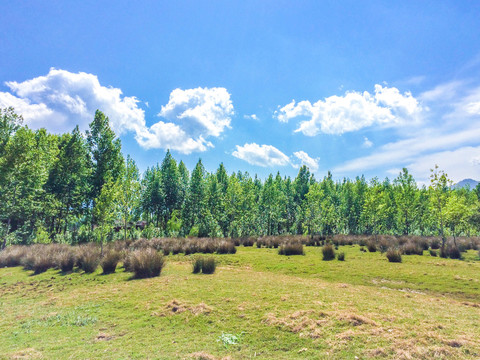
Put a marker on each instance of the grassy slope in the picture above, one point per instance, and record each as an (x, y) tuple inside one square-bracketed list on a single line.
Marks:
[(279, 307)]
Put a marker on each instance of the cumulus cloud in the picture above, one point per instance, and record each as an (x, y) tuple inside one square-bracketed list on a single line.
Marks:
[(353, 111), (305, 159), (60, 100), (261, 155)]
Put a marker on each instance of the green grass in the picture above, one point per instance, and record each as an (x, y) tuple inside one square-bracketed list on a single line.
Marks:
[(258, 304)]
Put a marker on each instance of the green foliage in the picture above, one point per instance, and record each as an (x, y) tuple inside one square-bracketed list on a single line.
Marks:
[(41, 236)]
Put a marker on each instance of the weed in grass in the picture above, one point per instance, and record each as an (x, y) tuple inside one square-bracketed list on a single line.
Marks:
[(146, 263), (341, 256), (229, 339), (394, 256), (328, 252), (433, 252)]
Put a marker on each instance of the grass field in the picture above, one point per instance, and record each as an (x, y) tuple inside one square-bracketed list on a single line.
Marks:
[(258, 304)]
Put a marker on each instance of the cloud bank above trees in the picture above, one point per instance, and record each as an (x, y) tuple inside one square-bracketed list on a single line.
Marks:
[(61, 99)]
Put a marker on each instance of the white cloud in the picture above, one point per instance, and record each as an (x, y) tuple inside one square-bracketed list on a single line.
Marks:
[(407, 150), (201, 111), (367, 143), (60, 100), (305, 159), (251, 117), (67, 99), (261, 155), (353, 111), (459, 164)]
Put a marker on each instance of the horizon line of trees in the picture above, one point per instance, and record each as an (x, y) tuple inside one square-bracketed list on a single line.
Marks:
[(78, 187)]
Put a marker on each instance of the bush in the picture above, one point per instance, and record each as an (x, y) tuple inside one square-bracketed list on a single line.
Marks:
[(88, 258), (109, 261), (433, 252), (394, 256), (42, 261), (411, 248), (291, 249), (453, 252), (197, 265), (226, 247), (371, 246), (435, 244), (209, 265), (146, 263), (341, 256), (328, 252), (66, 259), (12, 256)]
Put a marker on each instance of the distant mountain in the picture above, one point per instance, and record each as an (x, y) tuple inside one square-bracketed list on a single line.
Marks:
[(466, 182)]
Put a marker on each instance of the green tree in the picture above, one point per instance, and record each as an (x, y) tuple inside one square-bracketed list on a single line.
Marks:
[(128, 193), (439, 193)]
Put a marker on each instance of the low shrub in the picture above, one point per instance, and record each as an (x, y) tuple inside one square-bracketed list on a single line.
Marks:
[(371, 246), (66, 260), (88, 258), (209, 265), (197, 265), (341, 256), (146, 263), (394, 256), (226, 247), (433, 252), (291, 249), (110, 261), (12, 256), (42, 261), (411, 248), (328, 252), (435, 244)]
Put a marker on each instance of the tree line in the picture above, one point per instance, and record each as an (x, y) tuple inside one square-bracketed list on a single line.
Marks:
[(78, 187)]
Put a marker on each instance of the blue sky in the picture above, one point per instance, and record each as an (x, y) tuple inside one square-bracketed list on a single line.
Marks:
[(262, 86)]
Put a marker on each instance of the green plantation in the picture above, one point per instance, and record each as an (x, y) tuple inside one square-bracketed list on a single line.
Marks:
[(257, 303)]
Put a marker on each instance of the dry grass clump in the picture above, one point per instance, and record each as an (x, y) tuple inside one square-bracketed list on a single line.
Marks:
[(450, 251), (371, 246), (66, 259), (209, 265), (110, 261), (88, 258), (146, 263), (226, 247), (292, 248), (412, 248), (328, 252), (394, 256), (12, 256)]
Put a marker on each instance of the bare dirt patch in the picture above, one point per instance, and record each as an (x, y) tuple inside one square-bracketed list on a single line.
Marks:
[(177, 307), (29, 353)]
